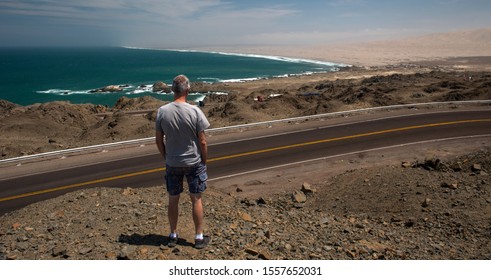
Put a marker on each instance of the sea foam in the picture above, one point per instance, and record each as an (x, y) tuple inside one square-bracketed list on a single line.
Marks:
[(271, 57)]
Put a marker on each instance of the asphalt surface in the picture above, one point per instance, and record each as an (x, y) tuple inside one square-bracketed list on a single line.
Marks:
[(244, 155)]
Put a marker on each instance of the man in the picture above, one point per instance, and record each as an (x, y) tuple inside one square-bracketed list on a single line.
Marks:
[(185, 152)]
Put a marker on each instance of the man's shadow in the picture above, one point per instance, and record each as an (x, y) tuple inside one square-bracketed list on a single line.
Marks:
[(150, 240)]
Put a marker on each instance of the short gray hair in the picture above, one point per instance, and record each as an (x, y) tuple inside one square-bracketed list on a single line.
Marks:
[(180, 84)]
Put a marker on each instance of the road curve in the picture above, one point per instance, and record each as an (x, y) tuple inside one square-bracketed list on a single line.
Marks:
[(251, 154)]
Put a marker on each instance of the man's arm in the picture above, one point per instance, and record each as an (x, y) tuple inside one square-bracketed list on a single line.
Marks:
[(203, 146), (159, 141)]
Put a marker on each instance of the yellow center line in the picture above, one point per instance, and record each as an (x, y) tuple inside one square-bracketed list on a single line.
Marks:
[(345, 138), (82, 184), (242, 155)]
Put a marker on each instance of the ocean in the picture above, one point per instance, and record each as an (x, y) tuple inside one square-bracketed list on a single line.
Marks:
[(35, 75)]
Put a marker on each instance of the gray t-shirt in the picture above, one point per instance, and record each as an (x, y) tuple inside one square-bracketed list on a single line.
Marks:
[(181, 122)]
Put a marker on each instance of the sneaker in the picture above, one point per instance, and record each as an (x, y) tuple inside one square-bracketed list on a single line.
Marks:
[(202, 243), (172, 241)]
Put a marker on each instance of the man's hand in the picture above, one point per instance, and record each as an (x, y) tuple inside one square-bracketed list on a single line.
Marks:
[(203, 146), (159, 141)]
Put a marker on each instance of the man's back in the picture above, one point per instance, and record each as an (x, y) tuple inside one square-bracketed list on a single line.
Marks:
[(181, 123)]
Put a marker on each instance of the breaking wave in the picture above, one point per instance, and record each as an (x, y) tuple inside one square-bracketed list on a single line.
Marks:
[(131, 90), (271, 57)]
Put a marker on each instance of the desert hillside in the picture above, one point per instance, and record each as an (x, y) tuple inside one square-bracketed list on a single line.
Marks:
[(439, 46), (59, 125)]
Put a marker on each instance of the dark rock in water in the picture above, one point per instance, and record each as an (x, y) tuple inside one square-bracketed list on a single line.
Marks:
[(110, 88), (160, 87)]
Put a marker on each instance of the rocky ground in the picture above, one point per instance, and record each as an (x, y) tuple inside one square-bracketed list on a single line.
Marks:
[(424, 209)]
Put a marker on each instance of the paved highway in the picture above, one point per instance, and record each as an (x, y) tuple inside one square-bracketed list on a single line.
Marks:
[(228, 158)]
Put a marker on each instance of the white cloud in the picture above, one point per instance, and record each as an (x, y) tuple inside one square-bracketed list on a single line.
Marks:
[(337, 3), (146, 17), (107, 8), (221, 24)]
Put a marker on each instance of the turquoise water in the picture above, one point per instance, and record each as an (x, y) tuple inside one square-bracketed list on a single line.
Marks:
[(30, 76)]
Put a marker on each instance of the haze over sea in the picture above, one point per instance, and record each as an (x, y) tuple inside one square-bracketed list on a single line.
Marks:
[(34, 75)]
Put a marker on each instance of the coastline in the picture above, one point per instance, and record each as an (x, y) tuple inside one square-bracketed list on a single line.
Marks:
[(110, 73), (266, 56), (252, 215), (59, 125), (466, 51), (408, 79)]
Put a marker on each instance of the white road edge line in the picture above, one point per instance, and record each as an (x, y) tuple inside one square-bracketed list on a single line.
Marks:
[(340, 124), (150, 139)]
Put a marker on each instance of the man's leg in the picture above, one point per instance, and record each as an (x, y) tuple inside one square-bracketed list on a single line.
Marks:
[(197, 185), (197, 212), (173, 212)]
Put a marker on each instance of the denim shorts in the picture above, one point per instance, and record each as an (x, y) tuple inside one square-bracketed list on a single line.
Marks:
[(196, 177)]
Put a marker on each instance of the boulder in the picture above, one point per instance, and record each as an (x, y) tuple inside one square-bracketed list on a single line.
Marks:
[(246, 217), (456, 166), (264, 256), (307, 188), (129, 191), (447, 185), (426, 202), (476, 167), (432, 163), (406, 164), (299, 197)]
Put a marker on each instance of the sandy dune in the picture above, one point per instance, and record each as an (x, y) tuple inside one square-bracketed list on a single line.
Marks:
[(377, 53)]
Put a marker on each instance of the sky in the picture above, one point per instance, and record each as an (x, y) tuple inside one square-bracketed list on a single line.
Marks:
[(208, 23)]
